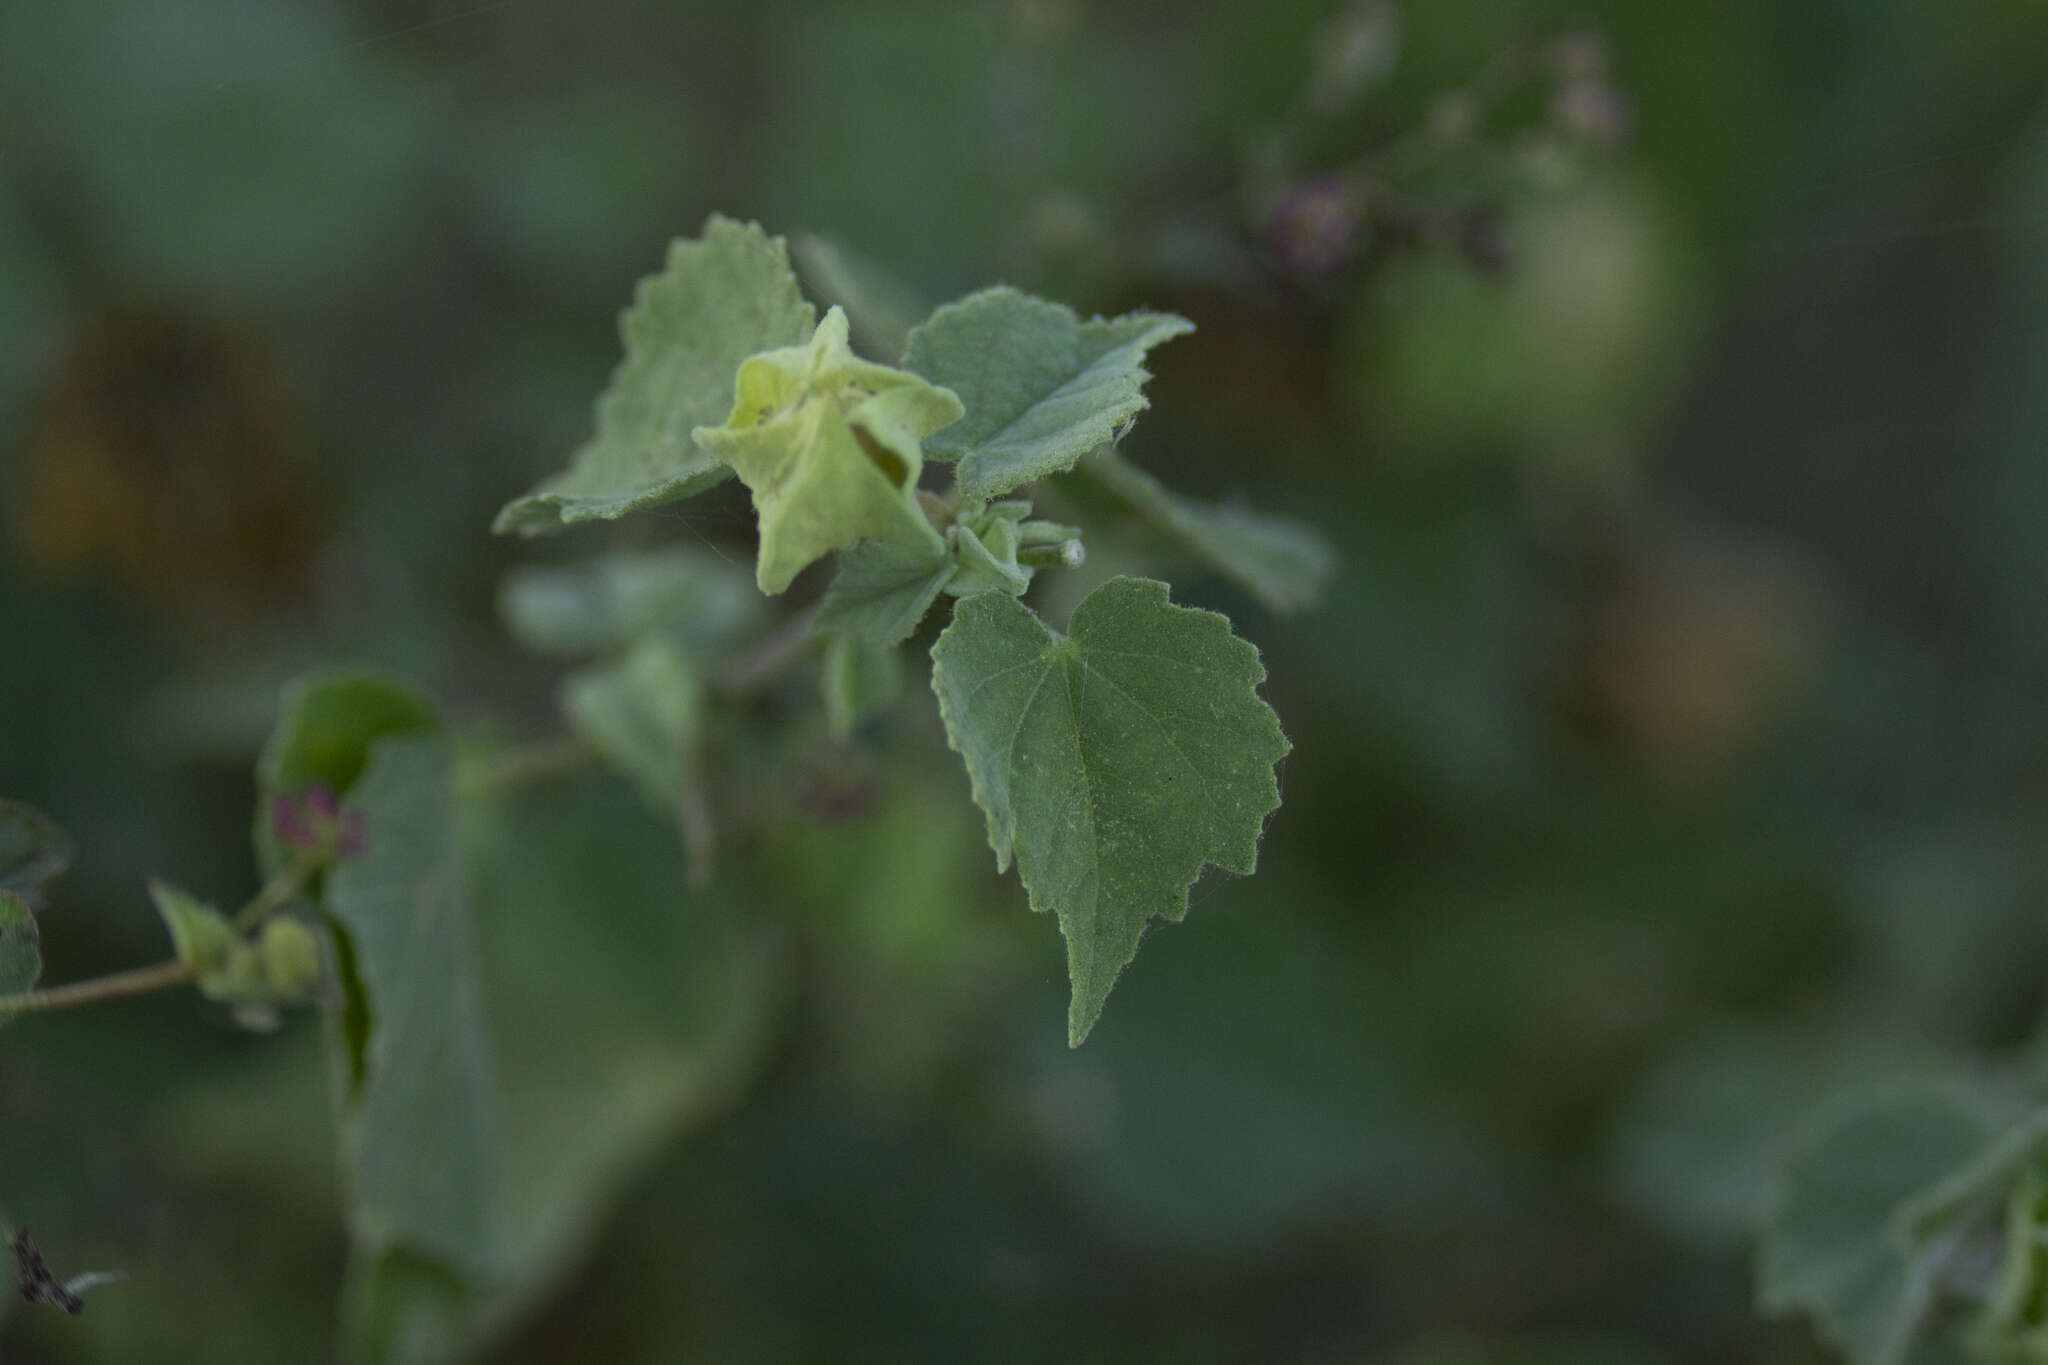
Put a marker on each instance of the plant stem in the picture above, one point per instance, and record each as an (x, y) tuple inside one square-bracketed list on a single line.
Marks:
[(700, 835), (273, 896), (140, 981), (536, 761), (770, 657)]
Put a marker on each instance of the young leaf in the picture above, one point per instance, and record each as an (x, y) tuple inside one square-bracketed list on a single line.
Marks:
[(201, 936), (33, 851), (1113, 762), (644, 714), (830, 446), (416, 1112), (1832, 1247), (1284, 563), (605, 604), (21, 958), (722, 297), (1042, 388), (883, 588)]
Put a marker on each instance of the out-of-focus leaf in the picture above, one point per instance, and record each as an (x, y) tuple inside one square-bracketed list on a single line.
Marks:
[(830, 446), (881, 307), (417, 1126), (201, 936), (1282, 562), (606, 603), (1114, 762), (21, 958), (608, 1041), (859, 678), (327, 723), (724, 296), (33, 851), (1833, 1247), (1042, 388), (645, 714)]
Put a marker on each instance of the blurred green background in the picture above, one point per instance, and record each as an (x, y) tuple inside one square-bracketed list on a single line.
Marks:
[(1670, 752)]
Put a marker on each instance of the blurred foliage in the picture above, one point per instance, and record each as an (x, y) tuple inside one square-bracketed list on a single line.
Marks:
[(1667, 747)]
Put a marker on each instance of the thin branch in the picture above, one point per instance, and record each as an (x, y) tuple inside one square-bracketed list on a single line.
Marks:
[(140, 981), (538, 761), (275, 893), (770, 657)]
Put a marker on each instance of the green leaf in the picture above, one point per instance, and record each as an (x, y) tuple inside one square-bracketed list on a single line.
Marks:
[(201, 936), (328, 722), (1832, 1247), (1113, 762), (33, 851), (601, 605), (621, 1012), (645, 715), (21, 958), (1042, 387), (859, 679), (416, 1111), (623, 1007), (883, 589), (723, 297), (830, 446), (1283, 563)]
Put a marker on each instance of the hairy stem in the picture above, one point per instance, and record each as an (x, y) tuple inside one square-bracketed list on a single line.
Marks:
[(140, 981)]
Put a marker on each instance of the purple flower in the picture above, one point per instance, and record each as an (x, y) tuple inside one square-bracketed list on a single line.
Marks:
[(313, 822), (1314, 229)]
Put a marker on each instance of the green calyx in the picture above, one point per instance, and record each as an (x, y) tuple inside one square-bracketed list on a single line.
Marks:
[(995, 549), (831, 447)]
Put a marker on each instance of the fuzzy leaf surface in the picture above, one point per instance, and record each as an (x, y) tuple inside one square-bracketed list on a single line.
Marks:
[(1042, 387), (1832, 1248), (1112, 762), (722, 297), (882, 589), (1282, 562)]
